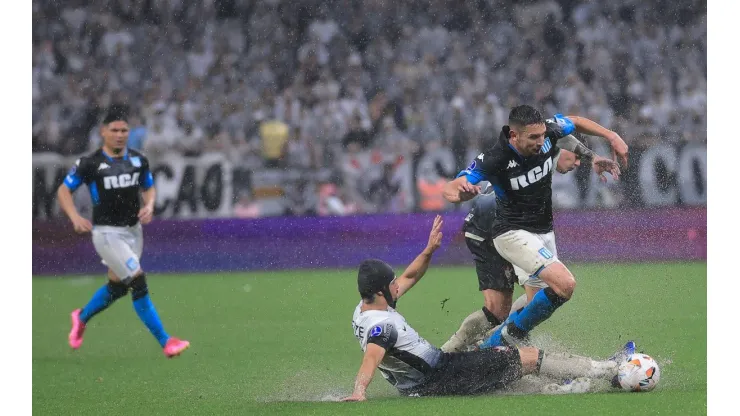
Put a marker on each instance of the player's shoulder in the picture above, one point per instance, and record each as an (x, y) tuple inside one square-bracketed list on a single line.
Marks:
[(89, 159), (494, 156), (132, 153), (559, 125)]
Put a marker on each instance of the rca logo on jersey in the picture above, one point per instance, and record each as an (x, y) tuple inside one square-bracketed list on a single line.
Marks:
[(121, 181), (534, 175)]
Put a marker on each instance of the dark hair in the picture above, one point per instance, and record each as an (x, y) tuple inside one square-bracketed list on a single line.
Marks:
[(525, 115), (116, 112)]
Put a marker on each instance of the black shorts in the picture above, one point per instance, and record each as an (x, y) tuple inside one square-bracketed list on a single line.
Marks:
[(471, 373), (494, 272)]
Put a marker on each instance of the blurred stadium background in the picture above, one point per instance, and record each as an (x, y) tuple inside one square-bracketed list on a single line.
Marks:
[(312, 134), (252, 109)]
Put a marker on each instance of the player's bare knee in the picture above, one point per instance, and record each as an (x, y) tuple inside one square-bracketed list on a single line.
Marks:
[(565, 287), (530, 359)]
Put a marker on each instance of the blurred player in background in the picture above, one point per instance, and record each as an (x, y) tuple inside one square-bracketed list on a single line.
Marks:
[(495, 274), (417, 368), (115, 176), (519, 167)]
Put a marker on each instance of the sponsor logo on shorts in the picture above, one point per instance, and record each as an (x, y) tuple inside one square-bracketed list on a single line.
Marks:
[(132, 264), (545, 253), (377, 330)]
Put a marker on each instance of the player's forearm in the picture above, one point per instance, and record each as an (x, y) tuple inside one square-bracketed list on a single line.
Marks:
[(569, 142), (586, 126), (66, 202), (148, 197), (451, 193), (419, 266), (365, 375)]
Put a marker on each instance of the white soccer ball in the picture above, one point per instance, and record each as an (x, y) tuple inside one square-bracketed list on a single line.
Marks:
[(639, 372)]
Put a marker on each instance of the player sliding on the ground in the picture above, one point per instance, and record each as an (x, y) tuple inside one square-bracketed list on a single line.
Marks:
[(416, 367), (519, 167), (114, 176)]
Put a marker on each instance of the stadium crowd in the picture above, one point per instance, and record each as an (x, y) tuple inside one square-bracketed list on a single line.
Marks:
[(298, 84)]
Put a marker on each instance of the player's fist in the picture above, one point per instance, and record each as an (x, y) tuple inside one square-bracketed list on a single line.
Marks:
[(146, 214), (81, 225)]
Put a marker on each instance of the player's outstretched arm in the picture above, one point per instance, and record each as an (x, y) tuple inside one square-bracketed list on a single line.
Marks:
[(460, 190), (587, 126), (419, 266), (66, 202), (374, 353)]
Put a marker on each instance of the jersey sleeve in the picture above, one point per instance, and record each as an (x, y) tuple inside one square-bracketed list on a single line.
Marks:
[(383, 334), (77, 175), (478, 171), (558, 127), (146, 180)]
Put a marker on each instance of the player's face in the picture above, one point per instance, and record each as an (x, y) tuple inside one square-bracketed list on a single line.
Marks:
[(115, 135), (567, 161), (529, 139)]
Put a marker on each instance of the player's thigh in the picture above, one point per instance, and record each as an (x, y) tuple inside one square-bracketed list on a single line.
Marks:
[(548, 240), (116, 252), (524, 250), (482, 371), (136, 234), (494, 272)]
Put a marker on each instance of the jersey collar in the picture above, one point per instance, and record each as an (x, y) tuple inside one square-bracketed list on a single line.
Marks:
[(125, 154)]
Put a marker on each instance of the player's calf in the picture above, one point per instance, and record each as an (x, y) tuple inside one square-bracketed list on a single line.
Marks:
[(564, 366), (148, 314)]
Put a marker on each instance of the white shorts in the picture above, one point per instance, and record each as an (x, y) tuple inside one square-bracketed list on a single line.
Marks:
[(120, 248), (530, 253)]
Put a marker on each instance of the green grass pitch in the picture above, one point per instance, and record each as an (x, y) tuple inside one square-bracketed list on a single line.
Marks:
[(276, 343)]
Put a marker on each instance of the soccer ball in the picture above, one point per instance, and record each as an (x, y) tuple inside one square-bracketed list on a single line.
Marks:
[(639, 372)]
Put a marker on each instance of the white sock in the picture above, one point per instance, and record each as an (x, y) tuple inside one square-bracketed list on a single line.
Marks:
[(471, 329), (563, 366)]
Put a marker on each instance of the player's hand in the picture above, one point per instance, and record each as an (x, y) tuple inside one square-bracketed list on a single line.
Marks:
[(435, 236), (355, 398), (82, 225), (468, 191), (602, 165), (145, 214), (619, 149)]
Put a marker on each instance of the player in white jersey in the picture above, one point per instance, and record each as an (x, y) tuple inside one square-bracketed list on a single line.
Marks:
[(416, 367)]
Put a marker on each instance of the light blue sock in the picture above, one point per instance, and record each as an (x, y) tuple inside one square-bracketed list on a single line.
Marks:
[(145, 309), (103, 297)]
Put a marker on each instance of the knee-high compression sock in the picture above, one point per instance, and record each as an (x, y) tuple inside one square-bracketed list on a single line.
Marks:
[(145, 309), (542, 306), (104, 297)]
